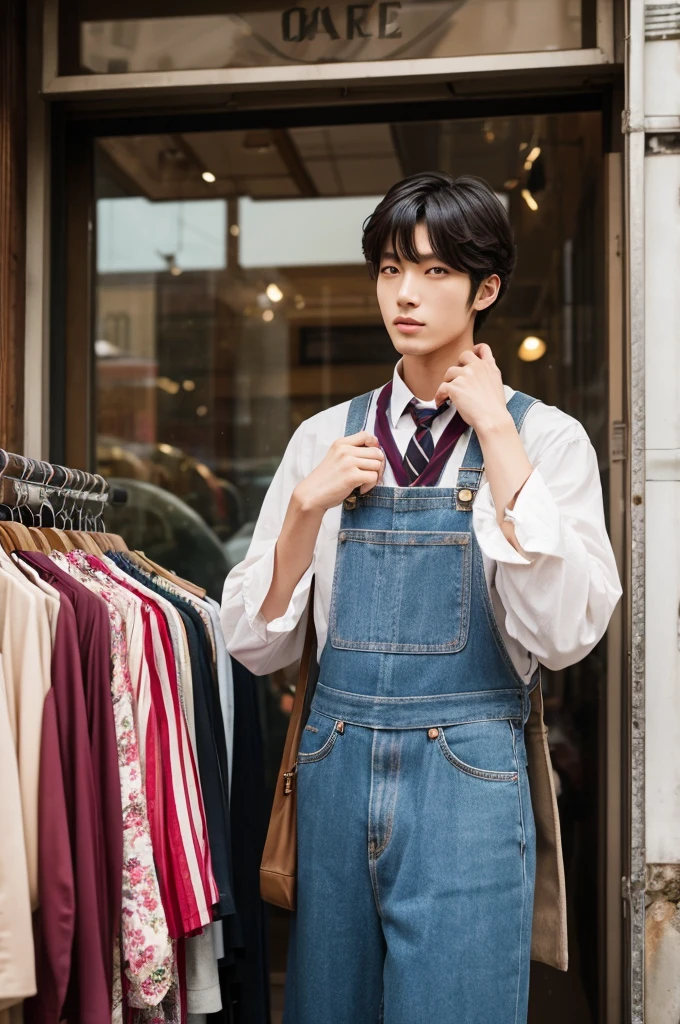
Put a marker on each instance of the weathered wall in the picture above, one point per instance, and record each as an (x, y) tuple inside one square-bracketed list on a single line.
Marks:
[(662, 945), (662, 509)]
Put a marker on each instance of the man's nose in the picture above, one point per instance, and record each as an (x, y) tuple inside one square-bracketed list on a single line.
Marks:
[(408, 291)]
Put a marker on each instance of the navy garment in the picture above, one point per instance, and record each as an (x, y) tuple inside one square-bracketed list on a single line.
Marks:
[(210, 739), (244, 977)]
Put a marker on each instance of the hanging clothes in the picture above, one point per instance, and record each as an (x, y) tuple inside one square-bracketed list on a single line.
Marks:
[(117, 749)]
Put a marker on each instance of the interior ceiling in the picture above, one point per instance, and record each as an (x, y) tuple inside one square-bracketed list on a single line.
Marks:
[(329, 161), (367, 159)]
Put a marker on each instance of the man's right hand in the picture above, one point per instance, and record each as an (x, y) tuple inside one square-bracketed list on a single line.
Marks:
[(353, 461)]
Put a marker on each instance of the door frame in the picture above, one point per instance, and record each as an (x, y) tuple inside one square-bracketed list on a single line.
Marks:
[(72, 363)]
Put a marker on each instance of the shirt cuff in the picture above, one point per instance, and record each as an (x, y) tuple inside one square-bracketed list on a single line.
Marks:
[(537, 524), (256, 583)]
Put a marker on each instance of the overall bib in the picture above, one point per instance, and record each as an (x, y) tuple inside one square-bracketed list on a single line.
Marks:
[(416, 839)]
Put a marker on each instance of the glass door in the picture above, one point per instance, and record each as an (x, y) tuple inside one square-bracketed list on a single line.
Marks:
[(230, 302)]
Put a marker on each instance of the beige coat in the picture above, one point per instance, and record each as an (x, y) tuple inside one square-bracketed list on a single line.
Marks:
[(549, 936), (17, 969), (25, 654)]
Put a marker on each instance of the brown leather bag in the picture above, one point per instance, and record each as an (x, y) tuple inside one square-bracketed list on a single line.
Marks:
[(278, 869)]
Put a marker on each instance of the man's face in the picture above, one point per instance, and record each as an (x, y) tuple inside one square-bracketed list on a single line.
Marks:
[(429, 294)]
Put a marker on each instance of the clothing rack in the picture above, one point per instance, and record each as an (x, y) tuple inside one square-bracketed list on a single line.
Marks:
[(34, 483), (129, 870)]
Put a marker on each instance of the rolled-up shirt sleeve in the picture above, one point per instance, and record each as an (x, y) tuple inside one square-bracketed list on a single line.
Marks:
[(559, 591), (260, 645)]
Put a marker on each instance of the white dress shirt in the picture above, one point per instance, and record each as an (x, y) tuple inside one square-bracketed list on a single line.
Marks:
[(552, 602)]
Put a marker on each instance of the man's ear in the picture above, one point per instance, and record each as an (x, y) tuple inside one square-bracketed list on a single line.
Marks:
[(487, 293)]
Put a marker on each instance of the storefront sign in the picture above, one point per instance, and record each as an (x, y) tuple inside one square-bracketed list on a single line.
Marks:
[(300, 23), (281, 33)]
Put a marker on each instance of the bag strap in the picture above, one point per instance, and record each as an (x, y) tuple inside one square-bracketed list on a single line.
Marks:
[(295, 725)]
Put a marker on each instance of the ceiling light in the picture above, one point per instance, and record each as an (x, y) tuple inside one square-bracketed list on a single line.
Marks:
[(511, 183), (529, 199), (531, 349), (189, 385), (534, 154), (202, 410), (527, 165), (171, 264), (268, 315), (104, 349), (209, 177), (523, 146), (171, 387), (274, 293), (234, 231), (299, 302)]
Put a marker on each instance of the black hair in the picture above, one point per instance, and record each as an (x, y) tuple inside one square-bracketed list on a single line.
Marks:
[(467, 224)]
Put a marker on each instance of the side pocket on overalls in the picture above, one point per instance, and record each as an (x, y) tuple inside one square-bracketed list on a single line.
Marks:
[(482, 750), (318, 737)]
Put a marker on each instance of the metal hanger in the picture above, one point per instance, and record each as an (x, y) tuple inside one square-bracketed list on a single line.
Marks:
[(24, 508), (44, 494)]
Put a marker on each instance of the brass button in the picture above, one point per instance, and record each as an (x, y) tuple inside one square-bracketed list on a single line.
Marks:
[(340, 726), (465, 495), (432, 734)]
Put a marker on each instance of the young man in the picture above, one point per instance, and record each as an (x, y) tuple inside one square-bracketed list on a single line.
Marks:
[(456, 533)]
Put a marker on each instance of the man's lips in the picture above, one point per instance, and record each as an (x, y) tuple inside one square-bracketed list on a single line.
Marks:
[(407, 325)]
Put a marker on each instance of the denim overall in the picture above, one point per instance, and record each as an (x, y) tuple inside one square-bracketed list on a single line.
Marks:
[(416, 840)]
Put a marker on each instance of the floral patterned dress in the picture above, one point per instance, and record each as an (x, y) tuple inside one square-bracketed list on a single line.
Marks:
[(148, 952)]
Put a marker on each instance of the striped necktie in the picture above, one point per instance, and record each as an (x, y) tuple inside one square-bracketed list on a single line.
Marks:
[(421, 446)]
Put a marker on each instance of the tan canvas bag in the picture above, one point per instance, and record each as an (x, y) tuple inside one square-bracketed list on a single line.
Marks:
[(279, 859), (549, 934)]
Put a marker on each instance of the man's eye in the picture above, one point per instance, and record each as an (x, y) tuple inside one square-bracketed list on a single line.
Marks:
[(388, 270), (436, 271)]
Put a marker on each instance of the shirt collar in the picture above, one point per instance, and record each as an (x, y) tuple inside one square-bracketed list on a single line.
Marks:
[(402, 396)]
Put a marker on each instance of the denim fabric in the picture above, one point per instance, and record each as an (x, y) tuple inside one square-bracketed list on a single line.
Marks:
[(416, 840)]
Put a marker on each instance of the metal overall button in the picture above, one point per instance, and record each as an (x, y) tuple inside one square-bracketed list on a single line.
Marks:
[(350, 501), (464, 498)]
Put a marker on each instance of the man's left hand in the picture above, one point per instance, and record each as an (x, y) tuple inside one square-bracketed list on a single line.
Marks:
[(475, 387)]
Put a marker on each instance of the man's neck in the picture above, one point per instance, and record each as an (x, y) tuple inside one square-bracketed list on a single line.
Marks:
[(423, 374)]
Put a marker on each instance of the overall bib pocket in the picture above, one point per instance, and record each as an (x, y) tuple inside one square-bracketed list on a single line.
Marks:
[(484, 750), (414, 595)]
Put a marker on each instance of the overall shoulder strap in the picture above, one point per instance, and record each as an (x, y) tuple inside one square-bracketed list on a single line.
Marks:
[(358, 413), (519, 406), (470, 472)]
